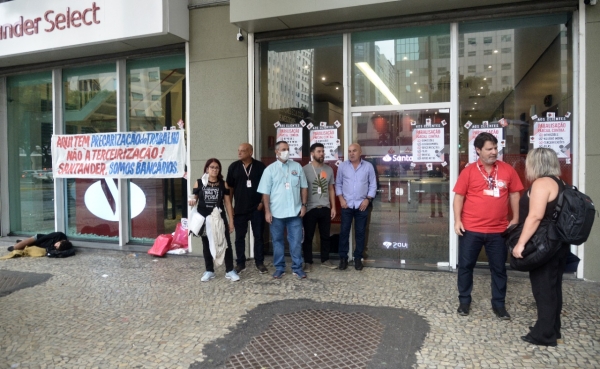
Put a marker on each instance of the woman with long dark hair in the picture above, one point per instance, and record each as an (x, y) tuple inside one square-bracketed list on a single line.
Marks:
[(212, 198), (543, 171)]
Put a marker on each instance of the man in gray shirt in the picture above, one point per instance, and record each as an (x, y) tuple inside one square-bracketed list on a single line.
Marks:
[(321, 206)]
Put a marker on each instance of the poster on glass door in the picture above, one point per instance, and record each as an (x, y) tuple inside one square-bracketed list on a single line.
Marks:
[(553, 133), (292, 134), (326, 135), (428, 142), (490, 127)]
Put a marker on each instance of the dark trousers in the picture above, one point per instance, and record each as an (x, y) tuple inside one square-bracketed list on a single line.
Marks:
[(469, 246), (322, 218), (360, 226), (240, 223), (546, 285), (208, 259)]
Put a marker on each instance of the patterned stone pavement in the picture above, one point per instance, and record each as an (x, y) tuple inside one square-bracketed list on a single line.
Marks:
[(108, 309)]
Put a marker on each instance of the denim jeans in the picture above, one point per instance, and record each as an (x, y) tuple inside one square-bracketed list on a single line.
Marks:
[(322, 218), (469, 246), (257, 222), (294, 233), (360, 226)]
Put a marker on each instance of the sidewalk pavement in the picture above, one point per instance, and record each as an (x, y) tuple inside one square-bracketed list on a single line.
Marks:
[(109, 309)]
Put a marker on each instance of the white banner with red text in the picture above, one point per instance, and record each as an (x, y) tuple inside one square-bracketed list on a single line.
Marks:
[(159, 154)]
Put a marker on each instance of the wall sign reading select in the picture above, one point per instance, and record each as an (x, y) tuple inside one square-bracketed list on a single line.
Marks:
[(51, 21)]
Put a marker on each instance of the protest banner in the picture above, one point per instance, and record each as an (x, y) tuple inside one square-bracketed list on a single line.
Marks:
[(158, 154)]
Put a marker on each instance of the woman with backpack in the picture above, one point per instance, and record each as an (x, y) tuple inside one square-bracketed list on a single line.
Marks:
[(211, 195), (538, 203)]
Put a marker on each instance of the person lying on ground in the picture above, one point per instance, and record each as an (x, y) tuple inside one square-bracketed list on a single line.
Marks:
[(51, 241)]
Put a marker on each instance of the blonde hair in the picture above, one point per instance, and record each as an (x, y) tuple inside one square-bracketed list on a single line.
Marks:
[(541, 162)]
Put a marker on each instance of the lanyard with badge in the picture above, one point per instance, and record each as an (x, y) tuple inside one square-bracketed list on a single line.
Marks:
[(287, 183), (248, 182), (317, 177), (493, 189)]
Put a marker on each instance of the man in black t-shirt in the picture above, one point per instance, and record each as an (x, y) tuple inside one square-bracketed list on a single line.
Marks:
[(51, 241), (243, 177)]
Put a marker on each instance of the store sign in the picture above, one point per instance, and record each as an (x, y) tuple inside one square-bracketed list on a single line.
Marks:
[(28, 26)]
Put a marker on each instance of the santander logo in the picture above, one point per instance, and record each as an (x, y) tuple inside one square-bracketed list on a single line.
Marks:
[(102, 196)]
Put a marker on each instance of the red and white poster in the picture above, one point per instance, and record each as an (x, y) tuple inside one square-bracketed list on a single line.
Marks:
[(159, 154), (493, 128), (329, 138), (428, 143), (553, 133), (292, 134)]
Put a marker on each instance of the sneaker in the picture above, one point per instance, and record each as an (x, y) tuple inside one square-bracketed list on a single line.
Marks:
[(501, 313), (207, 276), (278, 274), (239, 268), (232, 276), (328, 264), (11, 248), (307, 267), (300, 273), (262, 269)]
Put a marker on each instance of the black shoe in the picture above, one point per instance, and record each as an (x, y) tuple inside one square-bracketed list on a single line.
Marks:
[(11, 248), (262, 269), (463, 309), (358, 265), (501, 313), (533, 341), (239, 268), (343, 264)]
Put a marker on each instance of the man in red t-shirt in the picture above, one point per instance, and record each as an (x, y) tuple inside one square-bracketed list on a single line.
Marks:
[(482, 194)]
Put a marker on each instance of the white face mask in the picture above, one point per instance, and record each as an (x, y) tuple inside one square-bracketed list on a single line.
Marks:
[(284, 155)]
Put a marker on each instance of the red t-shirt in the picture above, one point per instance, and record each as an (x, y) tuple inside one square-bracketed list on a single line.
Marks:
[(481, 212)]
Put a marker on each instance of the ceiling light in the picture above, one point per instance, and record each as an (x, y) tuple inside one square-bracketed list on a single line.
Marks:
[(475, 103), (420, 97), (415, 83), (484, 78), (322, 78), (419, 91), (495, 51), (405, 58), (377, 82), (337, 88), (478, 94), (481, 88)]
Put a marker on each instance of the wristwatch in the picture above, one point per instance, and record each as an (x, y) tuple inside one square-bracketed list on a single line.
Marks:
[(305, 205), (370, 199)]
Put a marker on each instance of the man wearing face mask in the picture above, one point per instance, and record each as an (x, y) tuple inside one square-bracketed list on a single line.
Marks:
[(284, 188)]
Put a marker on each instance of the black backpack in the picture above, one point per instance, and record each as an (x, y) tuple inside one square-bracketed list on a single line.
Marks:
[(574, 214)]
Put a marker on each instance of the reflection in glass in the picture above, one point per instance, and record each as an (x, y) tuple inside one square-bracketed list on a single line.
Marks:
[(401, 66), (302, 87), (527, 73), (30, 180), (90, 107), (156, 99)]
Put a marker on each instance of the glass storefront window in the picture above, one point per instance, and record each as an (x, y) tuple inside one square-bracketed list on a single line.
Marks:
[(521, 91), (302, 89), (156, 100), (512, 89), (401, 66), (30, 180), (90, 106)]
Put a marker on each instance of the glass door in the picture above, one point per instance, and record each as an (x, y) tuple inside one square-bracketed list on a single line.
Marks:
[(408, 222)]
